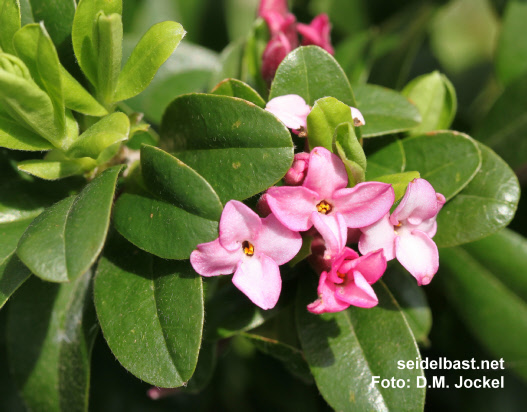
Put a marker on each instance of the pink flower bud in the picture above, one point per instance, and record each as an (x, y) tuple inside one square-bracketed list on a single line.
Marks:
[(296, 174), (317, 33)]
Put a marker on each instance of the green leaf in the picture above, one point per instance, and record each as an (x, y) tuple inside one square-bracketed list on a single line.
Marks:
[(511, 52), (251, 63), (57, 169), (12, 274), (151, 52), (312, 73), (237, 88), (10, 232), (50, 335), (111, 129), (448, 160), (493, 312), (204, 368), (435, 97), (64, 241), (371, 340), (77, 98), (385, 111), (109, 56), (486, 205), (83, 34), (326, 115), (15, 137), (399, 182), (385, 156), (350, 151), (9, 23), (159, 305), (504, 128), (239, 148), (175, 182), (161, 228)]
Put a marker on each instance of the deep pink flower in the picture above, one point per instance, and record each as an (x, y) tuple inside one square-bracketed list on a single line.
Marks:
[(407, 234), (278, 6), (317, 33), (252, 248), (291, 109), (297, 173), (282, 24), (325, 192), (276, 50), (348, 282)]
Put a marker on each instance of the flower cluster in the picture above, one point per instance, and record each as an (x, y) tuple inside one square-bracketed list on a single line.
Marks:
[(284, 31)]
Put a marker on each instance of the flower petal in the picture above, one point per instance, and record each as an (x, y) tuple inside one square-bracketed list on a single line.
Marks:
[(334, 231), (212, 259), (326, 173), (293, 205), (418, 254), (258, 277), (365, 203), (277, 242), (371, 266), (278, 6), (326, 302), (290, 109), (317, 33), (358, 118), (418, 204), (237, 224), (357, 292), (380, 235)]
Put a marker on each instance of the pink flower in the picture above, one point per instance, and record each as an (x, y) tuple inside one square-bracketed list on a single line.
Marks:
[(252, 248), (324, 193), (282, 24), (317, 33), (297, 173), (348, 282), (278, 6), (291, 110), (276, 50), (407, 234)]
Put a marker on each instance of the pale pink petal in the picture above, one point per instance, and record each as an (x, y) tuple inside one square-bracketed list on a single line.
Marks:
[(358, 118), (277, 242), (293, 205), (278, 6), (371, 266), (326, 173), (357, 292), (258, 277), (365, 203), (333, 230), (418, 254), (317, 33), (418, 204), (429, 226), (290, 109), (238, 223), (211, 259), (297, 173), (326, 302), (379, 235)]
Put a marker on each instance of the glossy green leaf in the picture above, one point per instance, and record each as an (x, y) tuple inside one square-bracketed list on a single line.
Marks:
[(448, 160), (159, 305), (435, 97), (385, 111), (229, 65), (9, 23), (15, 137), (151, 52), (109, 130), (350, 151), (493, 312), (57, 169), (77, 98), (64, 241), (368, 339), (511, 52), (160, 227), (399, 182), (85, 44), (13, 273), (175, 182), (385, 156), (326, 115), (251, 64), (109, 55), (486, 205), (239, 148), (50, 335), (11, 229), (237, 88), (504, 128), (204, 368), (312, 73)]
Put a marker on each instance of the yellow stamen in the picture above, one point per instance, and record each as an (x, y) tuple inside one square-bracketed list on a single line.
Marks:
[(248, 248), (324, 207), (341, 275), (302, 132)]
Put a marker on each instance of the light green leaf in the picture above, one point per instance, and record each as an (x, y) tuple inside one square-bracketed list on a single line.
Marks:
[(151, 52), (15, 137), (326, 115), (77, 98), (399, 182), (237, 88), (160, 342), (9, 23), (350, 151), (57, 169)]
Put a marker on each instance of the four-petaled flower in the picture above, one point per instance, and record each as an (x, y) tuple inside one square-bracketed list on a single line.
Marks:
[(317, 33), (291, 110), (252, 248)]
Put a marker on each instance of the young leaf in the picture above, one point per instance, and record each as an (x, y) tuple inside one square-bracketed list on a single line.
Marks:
[(326, 115), (312, 73), (82, 35), (151, 52), (486, 205), (239, 148), (109, 130), (50, 335), (160, 342), (15, 137), (385, 111), (77, 98), (237, 88), (9, 23), (64, 241), (57, 169), (350, 151)]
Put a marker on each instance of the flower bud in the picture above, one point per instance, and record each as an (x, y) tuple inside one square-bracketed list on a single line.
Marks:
[(297, 173)]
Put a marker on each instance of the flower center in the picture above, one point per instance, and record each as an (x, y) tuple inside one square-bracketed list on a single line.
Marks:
[(248, 248), (324, 207), (341, 275)]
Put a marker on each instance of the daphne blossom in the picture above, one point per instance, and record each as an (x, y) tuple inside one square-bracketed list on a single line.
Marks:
[(317, 33), (252, 248)]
